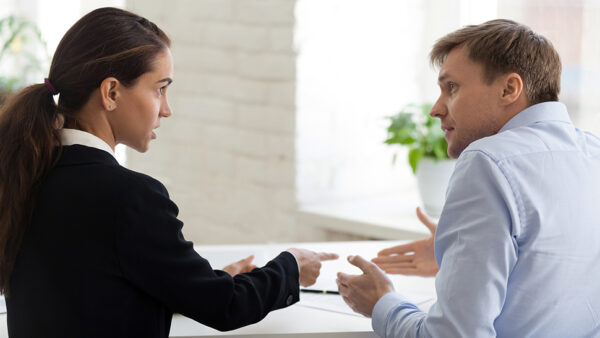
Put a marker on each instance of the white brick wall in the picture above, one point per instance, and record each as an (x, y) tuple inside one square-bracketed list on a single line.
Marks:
[(270, 12), (227, 154)]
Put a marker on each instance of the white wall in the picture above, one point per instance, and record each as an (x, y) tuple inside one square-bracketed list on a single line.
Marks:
[(227, 153)]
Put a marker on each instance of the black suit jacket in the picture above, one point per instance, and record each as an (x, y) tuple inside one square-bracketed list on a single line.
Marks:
[(104, 256)]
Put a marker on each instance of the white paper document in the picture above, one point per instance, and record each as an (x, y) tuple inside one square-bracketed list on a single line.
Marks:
[(335, 303)]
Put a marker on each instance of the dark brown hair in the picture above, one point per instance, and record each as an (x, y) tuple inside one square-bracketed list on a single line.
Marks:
[(504, 46), (107, 42)]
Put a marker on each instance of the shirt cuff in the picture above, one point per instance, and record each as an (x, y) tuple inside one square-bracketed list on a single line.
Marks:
[(384, 308)]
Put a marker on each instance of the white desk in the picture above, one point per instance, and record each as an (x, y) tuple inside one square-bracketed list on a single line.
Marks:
[(296, 321)]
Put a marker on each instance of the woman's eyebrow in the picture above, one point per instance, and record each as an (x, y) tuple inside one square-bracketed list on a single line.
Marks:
[(166, 79)]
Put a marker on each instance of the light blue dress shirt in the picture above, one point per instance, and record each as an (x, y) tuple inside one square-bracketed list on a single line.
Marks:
[(518, 241)]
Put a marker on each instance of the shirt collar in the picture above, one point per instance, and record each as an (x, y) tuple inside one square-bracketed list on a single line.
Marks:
[(69, 137), (545, 111)]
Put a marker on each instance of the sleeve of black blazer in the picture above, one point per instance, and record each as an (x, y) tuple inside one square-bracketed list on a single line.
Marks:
[(155, 257)]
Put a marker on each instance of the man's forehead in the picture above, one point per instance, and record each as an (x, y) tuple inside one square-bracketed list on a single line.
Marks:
[(446, 73), (456, 62), (443, 75), (449, 63)]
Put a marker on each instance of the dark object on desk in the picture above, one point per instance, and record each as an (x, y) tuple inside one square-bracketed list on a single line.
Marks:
[(325, 292), (104, 256)]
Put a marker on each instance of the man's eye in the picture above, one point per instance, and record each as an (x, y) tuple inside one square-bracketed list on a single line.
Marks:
[(161, 90), (451, 86)]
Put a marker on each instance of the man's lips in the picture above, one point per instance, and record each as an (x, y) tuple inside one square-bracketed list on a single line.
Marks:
[(447, 130)]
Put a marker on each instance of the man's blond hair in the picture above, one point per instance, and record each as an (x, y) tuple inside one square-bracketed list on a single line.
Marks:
[(504, 46)]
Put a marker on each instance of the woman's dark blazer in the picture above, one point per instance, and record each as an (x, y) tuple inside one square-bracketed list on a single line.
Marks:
[(104, 256)]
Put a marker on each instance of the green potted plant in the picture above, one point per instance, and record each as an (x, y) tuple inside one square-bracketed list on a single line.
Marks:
[(412, 127), (23, 55)]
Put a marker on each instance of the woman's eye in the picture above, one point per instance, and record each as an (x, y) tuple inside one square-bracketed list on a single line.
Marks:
[(161, 90), (451, 86)]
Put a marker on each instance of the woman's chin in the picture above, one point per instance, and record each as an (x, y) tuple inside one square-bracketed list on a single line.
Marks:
[(140, 148)]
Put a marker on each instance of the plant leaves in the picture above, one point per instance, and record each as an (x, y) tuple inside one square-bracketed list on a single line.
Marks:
[(414, 156), (413, 127)]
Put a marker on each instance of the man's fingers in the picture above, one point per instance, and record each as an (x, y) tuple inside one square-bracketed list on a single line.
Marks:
[(349, 302), (397, 265), (398, 249), (392, 259), (360, 262), (394, 268), (426, 220), (344, 291), (342, 279), (248, 259), (327, 256)]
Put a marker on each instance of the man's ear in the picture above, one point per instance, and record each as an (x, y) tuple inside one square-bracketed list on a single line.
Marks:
[(109, 93), (512, 88)]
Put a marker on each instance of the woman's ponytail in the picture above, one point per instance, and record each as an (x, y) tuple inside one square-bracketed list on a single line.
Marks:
[(28, 140)]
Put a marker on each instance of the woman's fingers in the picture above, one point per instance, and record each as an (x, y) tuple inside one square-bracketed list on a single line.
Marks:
[(327, 256)]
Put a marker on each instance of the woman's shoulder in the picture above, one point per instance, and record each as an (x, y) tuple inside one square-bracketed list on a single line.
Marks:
[(139, 181), (97, 167)]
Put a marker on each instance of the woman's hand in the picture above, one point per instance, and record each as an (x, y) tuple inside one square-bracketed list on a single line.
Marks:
[(309, 263), (241, 266), (415, 258)]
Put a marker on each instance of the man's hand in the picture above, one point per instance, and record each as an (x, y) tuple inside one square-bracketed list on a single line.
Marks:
[(415, 258), (241, 266), (310, 264), (362, 292)]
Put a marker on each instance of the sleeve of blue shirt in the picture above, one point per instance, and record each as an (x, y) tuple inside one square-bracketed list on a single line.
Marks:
[(475, 249)]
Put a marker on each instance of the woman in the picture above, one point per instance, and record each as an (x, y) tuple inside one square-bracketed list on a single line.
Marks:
[(89, 248)]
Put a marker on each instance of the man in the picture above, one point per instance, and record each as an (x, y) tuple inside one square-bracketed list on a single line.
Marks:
[(518, 240)]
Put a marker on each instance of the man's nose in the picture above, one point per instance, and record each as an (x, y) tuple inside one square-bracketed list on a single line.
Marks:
[(438, 110)]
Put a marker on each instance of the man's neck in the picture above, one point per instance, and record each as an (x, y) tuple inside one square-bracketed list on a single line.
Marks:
[(513, 109)]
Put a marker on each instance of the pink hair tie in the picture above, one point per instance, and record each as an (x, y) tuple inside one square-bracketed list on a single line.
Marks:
[(50, 87)]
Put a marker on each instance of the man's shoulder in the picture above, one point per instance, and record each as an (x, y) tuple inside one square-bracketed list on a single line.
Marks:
[(537, 139), (503, 145), (521, 142)]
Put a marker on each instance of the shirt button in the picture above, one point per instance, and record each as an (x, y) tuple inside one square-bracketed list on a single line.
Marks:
[(289, 300)]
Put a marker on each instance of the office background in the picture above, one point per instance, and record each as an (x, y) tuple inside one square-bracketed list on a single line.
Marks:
[(280, 104)]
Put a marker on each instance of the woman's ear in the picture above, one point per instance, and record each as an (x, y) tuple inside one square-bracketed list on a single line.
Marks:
[(512, 88), (109, 92)]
